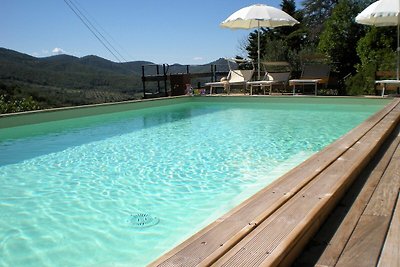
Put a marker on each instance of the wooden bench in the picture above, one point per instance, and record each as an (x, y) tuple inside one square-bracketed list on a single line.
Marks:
[(386, 81), (273, 226)]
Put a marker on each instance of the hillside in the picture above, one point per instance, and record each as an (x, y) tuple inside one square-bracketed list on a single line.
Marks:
[(65, 71), (64, 80)]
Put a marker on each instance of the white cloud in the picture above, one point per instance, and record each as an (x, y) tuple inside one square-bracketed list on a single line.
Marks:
[(58, 51), (197, 58)]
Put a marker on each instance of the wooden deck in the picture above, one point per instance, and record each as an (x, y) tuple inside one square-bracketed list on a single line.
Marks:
[(274, 226), (363, 230)]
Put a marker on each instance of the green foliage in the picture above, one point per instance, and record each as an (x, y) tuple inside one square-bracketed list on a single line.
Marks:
[(293, 35), (316, 13), (252, 45), (377, 52), (289, 6), (65, 71), (378, 46), (279, 44), (64, 80), (13, 100), (328, 33), (8, 105), (362, 82), (339, 39), (277, 50)]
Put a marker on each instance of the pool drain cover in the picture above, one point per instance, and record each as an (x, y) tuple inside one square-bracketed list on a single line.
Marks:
[(142, 220)]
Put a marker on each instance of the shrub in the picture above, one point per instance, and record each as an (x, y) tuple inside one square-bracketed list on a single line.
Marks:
[(10, 105)]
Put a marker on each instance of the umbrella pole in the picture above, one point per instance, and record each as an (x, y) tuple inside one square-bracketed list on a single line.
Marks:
[(258, 50), (398, 50)]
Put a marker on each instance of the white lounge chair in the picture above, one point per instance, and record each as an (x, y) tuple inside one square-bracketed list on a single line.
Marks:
[(235, 77), (312, 74), (276, 73), (270, 79)]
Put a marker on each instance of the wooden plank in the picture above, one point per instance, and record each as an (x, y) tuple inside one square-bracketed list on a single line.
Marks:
[(366, 242), (365, 245), (384, 198), (350, 215), (215, 240), (271, 242), (390, 256)]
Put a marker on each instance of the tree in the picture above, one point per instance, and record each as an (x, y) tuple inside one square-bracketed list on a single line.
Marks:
[(339, 39), (377, 52), (252, 43), (278, 43), (315, 13), (294, 35)]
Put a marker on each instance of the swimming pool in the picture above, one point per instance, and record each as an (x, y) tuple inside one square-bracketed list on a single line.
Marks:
[(122, 188)]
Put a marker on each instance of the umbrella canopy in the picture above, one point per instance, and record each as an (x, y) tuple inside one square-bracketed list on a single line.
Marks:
[(383, 13), (256, 16)]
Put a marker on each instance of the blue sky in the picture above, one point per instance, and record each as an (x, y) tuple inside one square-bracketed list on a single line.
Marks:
[(175, 31)]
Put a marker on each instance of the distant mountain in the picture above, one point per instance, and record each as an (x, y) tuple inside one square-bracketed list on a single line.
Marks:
[(16, 65), (63, 80), (81, 73)]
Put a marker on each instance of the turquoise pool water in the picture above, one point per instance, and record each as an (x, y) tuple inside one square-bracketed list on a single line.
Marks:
[(122, 188)]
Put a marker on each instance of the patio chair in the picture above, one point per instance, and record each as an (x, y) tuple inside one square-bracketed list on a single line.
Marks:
[(235, 77), (279, 76), (312, 74)]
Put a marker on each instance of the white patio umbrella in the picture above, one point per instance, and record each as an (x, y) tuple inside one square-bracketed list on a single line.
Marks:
[(383, 13), (257, 16)]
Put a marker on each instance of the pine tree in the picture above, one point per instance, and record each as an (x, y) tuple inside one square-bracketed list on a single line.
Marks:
[(252, 45), (289, 6), (293, 35)]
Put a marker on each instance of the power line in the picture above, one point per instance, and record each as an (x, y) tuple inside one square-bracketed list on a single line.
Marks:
[(93, 27), (106, 33), (93, 30)]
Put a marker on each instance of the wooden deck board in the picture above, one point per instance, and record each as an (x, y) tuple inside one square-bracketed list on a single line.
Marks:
[(364, 246), (385, 195), (390, 256), (219, 238), (333, 237), (367, 240), (358, 222)]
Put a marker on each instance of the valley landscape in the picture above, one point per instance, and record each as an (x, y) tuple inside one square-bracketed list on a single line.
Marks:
[(29, 83)]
